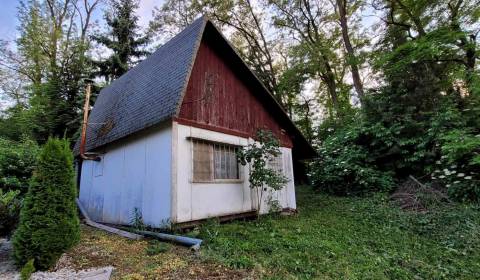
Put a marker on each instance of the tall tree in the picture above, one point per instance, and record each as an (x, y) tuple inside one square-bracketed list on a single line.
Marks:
[(345, 9), (429, 46), (311, 24), (123, 39), (51, 55)]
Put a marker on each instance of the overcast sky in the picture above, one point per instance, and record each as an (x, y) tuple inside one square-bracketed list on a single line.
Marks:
[(8, 16)]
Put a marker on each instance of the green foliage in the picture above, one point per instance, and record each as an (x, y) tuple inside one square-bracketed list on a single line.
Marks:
[(137, 220), (352, 238), (10, 204), (49, 224), (123, 39), (257, 155), (27, 270), (394, 136), (345, 165), (156, 247), (50, 59), (17, 162), (459, 166), (209, 230)]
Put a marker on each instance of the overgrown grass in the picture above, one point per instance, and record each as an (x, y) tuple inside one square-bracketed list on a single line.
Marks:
[(351, 238)]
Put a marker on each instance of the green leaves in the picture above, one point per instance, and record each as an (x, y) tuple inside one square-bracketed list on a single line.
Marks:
[(10, 203), (49, 224), (17, 161), (122, 38), (258, 155), (347, 167)]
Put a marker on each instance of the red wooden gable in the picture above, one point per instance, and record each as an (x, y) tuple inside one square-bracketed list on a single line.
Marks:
[(219, 98)]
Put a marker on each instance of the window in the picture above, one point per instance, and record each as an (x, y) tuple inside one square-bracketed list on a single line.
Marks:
[(212, 162), (276, 163)]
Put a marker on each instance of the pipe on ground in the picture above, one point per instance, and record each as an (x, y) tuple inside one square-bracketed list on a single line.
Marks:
[(193, 243)]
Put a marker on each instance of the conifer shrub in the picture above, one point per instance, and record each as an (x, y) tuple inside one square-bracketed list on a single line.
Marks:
[(49, 224)]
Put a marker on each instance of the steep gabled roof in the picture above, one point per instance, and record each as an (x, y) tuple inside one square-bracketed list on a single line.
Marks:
[(152, 91), (147, 94)]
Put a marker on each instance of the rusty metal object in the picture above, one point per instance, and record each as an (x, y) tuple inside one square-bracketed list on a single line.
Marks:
[(83, 138)]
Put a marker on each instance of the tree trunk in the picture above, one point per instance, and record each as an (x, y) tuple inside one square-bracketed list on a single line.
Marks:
[(352, 59), (329, 79)]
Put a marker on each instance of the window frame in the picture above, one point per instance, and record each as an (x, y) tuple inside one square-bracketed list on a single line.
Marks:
[(240, 178)]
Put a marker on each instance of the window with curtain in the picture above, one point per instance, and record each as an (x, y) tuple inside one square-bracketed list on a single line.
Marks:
[(214, 162)]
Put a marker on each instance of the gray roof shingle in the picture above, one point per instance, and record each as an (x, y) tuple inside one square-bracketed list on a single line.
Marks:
[(147, 94)]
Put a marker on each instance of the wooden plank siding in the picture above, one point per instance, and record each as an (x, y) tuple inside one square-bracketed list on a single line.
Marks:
[(220, 99)]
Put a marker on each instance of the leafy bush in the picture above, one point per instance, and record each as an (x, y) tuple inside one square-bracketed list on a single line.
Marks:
[(48, 220), (17, 162), (459, 166), (9, 211), (389, 142), (345, 167)]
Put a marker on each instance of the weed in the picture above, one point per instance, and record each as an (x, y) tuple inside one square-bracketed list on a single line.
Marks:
[(156, 247)]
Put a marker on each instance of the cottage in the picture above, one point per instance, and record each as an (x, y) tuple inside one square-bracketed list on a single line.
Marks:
[(166, 133)]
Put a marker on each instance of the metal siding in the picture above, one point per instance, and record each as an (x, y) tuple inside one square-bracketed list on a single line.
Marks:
[(136, 174), (231, 105)]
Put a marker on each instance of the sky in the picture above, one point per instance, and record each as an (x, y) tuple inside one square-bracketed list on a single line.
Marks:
[(8, 14), (8, 21)]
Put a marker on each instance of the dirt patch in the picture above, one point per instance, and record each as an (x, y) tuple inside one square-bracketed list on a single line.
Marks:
[(131, 259)]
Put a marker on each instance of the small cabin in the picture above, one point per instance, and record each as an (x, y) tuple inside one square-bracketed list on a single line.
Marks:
[(166, 134)]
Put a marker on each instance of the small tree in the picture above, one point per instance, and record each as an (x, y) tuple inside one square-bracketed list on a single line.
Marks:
[(257, 155), (49, 224)]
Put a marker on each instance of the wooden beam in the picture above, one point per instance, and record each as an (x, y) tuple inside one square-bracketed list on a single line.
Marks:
[(244, 215)]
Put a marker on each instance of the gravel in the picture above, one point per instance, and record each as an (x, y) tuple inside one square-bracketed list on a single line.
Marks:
[(8, 270), (65, 273)]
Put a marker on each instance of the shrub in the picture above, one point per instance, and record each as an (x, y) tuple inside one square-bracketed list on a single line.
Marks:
[(48, 220), (17, 161), (9, 211), (345, 167), (261, 175), (459, 166)]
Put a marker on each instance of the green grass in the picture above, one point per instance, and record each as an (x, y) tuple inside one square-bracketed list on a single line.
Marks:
[(351, 238)]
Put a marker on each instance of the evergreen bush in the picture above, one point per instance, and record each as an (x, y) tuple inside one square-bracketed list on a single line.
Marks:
[(49, 224)]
